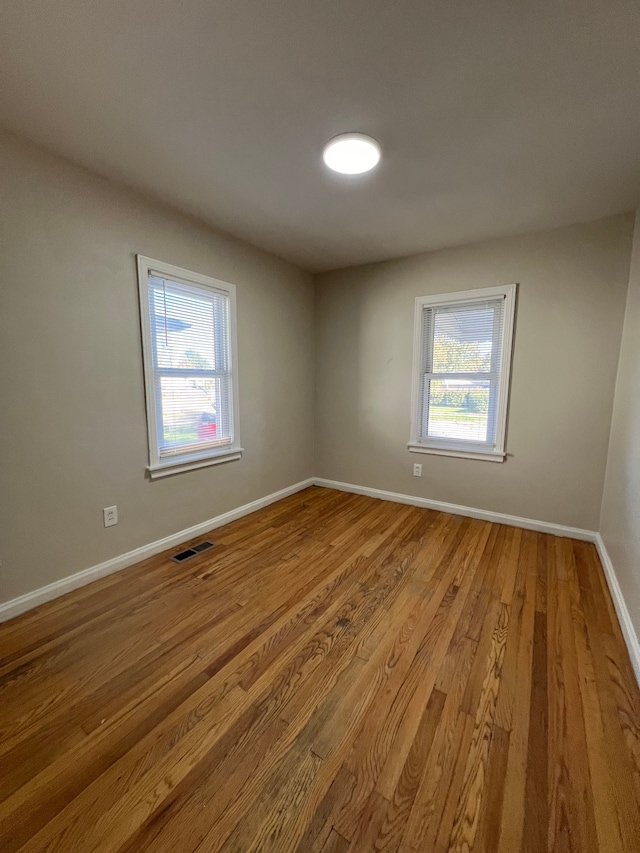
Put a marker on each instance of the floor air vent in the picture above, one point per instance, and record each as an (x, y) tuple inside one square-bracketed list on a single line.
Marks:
[(181, 556)]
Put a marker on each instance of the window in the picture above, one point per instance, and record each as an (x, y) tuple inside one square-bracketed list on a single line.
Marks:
[(462, 356), (188, 343)]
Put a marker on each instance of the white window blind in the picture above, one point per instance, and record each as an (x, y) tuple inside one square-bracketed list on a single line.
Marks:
[(188, 366), (462, 383)]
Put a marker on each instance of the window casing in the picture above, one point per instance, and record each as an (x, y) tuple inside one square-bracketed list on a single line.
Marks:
[(189, 349), (462, 362)]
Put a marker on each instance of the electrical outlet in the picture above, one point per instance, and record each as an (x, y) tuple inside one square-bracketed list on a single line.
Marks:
[(417, 469), (110, 514)]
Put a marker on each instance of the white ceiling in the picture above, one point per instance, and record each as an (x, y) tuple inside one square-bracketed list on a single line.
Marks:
[(495, 116)]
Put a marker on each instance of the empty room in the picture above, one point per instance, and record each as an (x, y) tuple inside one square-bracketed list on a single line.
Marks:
[(320, 426)]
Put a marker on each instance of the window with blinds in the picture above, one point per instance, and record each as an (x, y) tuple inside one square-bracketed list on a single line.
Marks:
[(188, 345), (461, 367)]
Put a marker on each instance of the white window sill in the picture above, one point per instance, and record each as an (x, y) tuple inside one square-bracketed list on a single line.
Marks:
[(481, 455), (184, 463)]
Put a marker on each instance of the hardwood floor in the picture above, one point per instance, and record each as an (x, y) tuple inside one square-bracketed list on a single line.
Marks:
[(338, 674)]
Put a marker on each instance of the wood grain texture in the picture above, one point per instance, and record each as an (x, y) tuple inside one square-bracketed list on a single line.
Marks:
[(338, 674)]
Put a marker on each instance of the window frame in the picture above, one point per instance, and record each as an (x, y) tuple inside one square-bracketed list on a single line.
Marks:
[(163, 466), (464, 448)]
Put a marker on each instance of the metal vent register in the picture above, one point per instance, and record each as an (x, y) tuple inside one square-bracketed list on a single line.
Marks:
[(181, 556)]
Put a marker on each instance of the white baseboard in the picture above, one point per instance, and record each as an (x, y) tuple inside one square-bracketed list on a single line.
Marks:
[(624, 617), (19, 605), (456, 509)]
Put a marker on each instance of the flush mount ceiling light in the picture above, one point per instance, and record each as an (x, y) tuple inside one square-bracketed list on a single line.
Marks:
[(351, 153)]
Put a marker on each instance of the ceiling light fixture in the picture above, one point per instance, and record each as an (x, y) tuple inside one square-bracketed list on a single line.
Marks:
[(351, 153)]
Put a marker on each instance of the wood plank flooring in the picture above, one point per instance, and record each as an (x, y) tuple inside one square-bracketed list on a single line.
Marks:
[(338, 674)]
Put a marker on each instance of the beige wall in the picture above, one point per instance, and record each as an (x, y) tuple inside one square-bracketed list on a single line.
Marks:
[(572, 288), (72, 417), (620, 520)]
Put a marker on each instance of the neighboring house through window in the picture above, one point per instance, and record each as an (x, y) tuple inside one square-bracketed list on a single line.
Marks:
[(190, 366), (462, 359)]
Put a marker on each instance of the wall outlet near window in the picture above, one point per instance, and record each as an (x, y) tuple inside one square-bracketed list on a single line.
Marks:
[(110, 515), (417, 469)]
